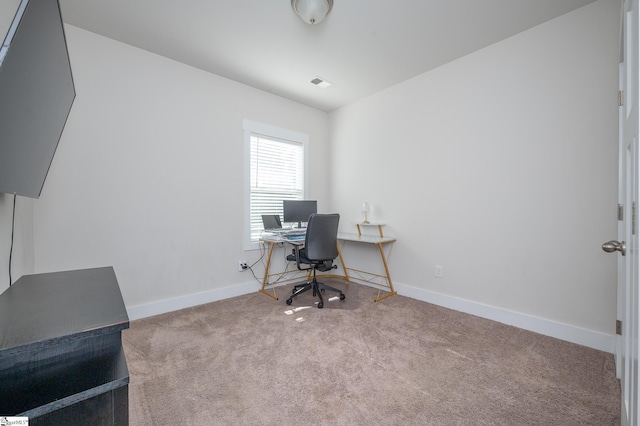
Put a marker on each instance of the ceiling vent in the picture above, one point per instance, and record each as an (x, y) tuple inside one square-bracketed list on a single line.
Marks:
[(320, 82)]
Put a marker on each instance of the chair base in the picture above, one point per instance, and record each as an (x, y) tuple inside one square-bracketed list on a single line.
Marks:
[(317, 288)]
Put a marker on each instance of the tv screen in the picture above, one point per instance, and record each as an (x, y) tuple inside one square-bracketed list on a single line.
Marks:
[(298, 210), (36, 94)]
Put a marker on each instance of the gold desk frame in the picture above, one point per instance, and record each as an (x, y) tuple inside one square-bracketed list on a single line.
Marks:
[(379, 281)]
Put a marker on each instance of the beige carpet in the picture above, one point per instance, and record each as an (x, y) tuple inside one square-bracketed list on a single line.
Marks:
[(252, 360)]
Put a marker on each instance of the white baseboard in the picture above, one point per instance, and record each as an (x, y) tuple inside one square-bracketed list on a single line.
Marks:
[(189, 300), (581, 336)]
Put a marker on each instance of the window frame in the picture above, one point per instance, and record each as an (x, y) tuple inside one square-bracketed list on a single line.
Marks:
[(271, 132)]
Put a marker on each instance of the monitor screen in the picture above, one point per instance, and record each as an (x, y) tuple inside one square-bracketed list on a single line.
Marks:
[(298, 210), (271, 221)]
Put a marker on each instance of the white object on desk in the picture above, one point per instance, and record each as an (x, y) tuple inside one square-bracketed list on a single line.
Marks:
[(366, 209)]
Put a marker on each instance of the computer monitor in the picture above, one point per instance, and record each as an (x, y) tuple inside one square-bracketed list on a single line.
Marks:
[(298, 210)]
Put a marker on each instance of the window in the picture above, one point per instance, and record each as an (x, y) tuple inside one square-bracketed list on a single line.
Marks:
[(275, 166)]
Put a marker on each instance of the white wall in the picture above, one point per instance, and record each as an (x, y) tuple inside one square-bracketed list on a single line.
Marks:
[(148, 176), (501, 167)]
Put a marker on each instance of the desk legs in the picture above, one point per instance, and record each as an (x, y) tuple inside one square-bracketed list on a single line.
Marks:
[(265, 279), (386, 277), (344, 267), (269, 286)]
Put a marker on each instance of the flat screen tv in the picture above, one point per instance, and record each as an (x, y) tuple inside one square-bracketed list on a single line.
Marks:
[(36, 94)]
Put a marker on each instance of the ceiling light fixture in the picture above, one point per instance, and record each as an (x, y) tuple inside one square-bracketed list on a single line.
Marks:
[(312, 11)]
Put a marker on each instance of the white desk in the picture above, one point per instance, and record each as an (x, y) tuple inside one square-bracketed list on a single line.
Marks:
[(380, 281)]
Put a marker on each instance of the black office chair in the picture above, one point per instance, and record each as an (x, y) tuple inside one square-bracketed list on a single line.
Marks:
[(320, 249)]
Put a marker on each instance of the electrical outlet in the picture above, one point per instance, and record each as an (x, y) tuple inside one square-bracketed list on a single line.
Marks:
[(439, 271), (242, 265)]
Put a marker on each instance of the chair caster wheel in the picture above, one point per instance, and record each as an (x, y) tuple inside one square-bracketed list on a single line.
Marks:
[(289, 301), (342, 296), (320, 305)]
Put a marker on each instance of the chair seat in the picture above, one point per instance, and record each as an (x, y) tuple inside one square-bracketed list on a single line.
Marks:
[(320, 265)]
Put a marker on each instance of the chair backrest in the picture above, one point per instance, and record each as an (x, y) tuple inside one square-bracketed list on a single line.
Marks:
[(322, 234)]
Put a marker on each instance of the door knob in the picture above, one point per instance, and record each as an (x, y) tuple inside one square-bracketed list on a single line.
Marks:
[(613, 245)]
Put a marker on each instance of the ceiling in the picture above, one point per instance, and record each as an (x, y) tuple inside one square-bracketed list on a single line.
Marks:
[(362, 47)]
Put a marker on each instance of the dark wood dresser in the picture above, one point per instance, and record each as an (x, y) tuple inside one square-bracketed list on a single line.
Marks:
[(61, 355)]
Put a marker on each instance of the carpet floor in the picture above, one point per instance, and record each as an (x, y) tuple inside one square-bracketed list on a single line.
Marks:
[(252, 360)]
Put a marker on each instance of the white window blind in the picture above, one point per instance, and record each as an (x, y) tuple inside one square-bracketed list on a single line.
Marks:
[(276, 172)]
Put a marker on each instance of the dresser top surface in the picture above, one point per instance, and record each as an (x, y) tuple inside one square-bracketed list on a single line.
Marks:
[(40, 308)]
